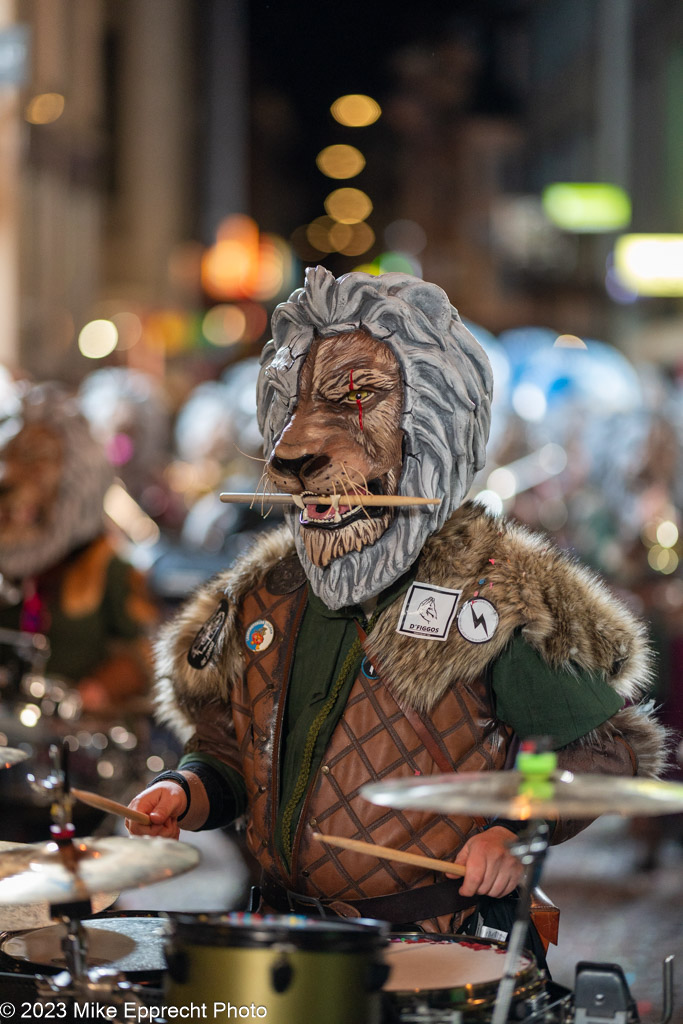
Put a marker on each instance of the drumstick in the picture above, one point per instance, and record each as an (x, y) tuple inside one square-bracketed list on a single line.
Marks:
[(102, 803), (386, 853), (330, 499)]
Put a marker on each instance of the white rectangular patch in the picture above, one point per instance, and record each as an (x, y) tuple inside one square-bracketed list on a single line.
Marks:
[(428, 611), (492, 933)]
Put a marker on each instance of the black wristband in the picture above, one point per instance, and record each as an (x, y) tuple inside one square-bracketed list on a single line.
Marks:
[(182, 781), (518, 826), (222, 809)]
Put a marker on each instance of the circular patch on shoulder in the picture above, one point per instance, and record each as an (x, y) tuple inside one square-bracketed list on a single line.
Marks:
[(286, 576), (477, 620), (259, 635)]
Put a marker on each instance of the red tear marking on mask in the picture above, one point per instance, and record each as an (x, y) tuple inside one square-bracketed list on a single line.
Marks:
[(358, 401)]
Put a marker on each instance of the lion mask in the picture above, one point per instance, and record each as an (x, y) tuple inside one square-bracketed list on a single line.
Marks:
[(443, 418)]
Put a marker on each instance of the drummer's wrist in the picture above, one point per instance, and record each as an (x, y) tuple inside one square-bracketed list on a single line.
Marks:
[(197, 808), (180, 780)]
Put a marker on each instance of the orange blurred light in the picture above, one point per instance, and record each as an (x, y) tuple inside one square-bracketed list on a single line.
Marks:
[(45, 108), (318, 234), (340, 161), (355, 110), (348, 205), (167, 331), (230, 267), (362, 238)]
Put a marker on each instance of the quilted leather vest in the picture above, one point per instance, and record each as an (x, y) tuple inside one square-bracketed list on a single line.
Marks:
[(373, 740)]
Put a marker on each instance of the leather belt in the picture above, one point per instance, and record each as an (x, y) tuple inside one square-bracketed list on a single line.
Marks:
[(409, 906)]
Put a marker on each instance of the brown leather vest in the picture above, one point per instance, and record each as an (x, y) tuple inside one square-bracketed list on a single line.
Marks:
[(373, 740)]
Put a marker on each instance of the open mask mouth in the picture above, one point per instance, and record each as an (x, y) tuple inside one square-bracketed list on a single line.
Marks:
[(332, 517)]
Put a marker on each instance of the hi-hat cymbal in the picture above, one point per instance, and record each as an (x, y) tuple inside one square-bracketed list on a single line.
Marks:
[(502, 794), (10, 756), (36, 872)]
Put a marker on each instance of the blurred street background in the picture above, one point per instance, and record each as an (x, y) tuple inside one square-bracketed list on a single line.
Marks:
[(168, 169)]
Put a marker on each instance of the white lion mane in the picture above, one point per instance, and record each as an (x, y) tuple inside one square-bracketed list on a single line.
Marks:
[(446, 416)]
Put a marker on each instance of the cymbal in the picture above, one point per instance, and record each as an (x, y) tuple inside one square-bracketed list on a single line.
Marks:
[(10, 756), (502, 794), (21, 916), (36, 873)]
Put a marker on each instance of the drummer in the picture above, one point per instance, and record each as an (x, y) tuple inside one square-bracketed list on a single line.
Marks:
[(370, 644)]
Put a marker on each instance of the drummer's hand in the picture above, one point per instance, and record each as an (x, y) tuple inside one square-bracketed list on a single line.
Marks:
[(164, 802), (490, 868)]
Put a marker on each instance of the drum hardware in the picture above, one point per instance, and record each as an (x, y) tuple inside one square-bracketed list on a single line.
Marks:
[(530, 848), (601, 995), (534, 791), (67, 872)]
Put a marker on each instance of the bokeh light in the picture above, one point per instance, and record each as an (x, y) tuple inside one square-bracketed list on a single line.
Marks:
[(340, 161), (667, 534), (348, 205), (650, 264), (356, 110), (224, 325), (44, 108), (129, 328), (318, 234), (391, 262), (662, 559), (529, 402), (98, 339), (587, 206), (569, 341), (405, 236), (358, 238)]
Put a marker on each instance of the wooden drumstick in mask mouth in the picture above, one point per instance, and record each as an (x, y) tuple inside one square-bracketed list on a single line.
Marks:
[(388, 500)]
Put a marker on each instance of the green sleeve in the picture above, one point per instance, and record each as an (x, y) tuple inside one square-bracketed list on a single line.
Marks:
[(538, 700), (234, 795)]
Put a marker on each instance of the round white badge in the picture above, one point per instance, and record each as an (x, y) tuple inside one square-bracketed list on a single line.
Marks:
[(477, 620), (259, 635)]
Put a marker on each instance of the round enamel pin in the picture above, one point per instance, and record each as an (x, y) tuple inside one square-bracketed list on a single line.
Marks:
[(477, 620), (259, 635)]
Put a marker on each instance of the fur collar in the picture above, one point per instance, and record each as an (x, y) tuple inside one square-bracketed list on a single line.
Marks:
[(565, 612)]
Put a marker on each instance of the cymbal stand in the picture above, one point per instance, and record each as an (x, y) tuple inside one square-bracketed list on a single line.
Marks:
[(76, 984), (530, 847)]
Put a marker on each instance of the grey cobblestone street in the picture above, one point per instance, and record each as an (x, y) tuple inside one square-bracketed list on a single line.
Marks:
[(612, 912)]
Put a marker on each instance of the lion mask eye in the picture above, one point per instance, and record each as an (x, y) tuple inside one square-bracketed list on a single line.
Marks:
[(357, 395)]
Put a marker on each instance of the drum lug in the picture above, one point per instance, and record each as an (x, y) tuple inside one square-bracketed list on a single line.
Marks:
[(281, 971), (176, 961), (377, 974)]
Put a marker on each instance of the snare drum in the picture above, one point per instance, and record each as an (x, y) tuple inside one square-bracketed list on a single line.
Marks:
[(451, 979), (282, 968)]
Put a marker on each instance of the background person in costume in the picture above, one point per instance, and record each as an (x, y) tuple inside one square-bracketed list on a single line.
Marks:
[(61, 572), (393, 642)]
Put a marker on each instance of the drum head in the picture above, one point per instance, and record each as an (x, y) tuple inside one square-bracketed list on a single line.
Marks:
[(418, 964), (128, 944)]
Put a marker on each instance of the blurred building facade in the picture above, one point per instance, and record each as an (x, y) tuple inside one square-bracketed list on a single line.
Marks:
[(140, 124)]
